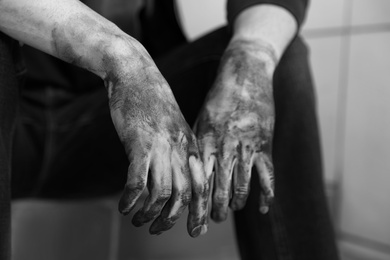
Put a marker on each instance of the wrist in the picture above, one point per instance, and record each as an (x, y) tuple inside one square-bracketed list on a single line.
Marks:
[(123, 56), (126, 64), (119, 55), (103, 49), (261, 50), (267, 23)]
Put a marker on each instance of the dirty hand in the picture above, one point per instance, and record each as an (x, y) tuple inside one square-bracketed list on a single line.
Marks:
[(235, 127), (161, 148)]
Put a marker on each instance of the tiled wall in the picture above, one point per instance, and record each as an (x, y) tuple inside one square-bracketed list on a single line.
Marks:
[(350, 55), (350, 46)]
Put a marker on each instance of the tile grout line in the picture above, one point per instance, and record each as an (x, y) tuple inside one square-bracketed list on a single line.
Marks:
[(115, 231), (342, 99), (346, 30), (365, 242)]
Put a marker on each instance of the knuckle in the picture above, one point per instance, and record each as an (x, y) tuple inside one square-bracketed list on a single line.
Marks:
[(244, 167), (201, 189), (241, 191), (206, 188), (221, 198), (185, 197), (135, 187), (183, 194), (163, 196)]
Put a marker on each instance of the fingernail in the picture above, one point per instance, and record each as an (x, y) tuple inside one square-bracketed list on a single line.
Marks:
[(137, 223), (156, 233), (124, 213), (270, 200), (204, 230), (155, 230), (264, 209), (126, 204), (237, 205), (123, 208), (137, 219), (161, 225), (196, 231), (218, 216)]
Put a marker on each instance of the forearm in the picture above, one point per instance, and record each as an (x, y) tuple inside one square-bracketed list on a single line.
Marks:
[(71, 31), (270, 25)]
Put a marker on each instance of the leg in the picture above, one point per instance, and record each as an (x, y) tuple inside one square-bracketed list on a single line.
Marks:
[(8, 106), (66, 147), (191, 69), (298, 225)]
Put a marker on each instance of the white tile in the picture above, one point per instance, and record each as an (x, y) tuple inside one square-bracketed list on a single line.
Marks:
[(370, 12), (325, 14), (325, 61), (201, 16), (366, 193)]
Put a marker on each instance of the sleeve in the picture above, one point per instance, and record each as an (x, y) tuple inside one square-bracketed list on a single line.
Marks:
[(296, 7)]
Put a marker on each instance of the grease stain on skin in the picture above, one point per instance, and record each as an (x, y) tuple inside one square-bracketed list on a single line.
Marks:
[(143, 108), (66, 39), (239, 109)]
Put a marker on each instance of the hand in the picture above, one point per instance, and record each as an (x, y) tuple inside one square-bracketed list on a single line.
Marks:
[(235, 127), (161, 148)]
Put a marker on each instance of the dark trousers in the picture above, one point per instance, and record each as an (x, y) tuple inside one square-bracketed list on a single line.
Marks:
[(8, 108)]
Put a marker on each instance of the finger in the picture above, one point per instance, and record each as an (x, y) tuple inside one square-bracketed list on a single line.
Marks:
[(223, 180), (195, 126), (242, 176), (210, 197), (197, 216), (264, 206), (265, 169), (207, 149), (181, 195), (160, 187), (136, 182)]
